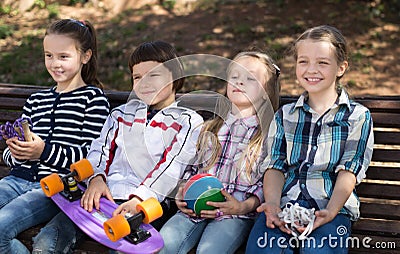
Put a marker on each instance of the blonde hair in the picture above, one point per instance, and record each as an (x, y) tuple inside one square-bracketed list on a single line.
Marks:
[(264, 114)]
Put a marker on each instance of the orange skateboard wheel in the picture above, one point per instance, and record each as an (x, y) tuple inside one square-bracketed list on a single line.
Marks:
[(52, 184), (151, 209), (116, 227), (83, 169)]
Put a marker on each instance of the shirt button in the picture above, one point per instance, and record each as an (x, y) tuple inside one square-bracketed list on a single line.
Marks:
[(319, 123), (302, 185), (314, 148)]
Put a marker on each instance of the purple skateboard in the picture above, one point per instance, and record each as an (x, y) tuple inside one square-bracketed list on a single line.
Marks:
[(92, 225)]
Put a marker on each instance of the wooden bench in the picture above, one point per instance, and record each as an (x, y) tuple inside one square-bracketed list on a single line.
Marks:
[(378, 230)]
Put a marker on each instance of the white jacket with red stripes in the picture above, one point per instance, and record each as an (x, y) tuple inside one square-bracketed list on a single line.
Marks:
[(145, 160)]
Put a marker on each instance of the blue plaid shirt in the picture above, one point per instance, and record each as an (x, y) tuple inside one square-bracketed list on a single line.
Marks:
[(311, 149)]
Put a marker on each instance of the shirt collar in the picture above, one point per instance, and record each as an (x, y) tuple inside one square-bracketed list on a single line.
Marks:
[(249, 121), (343, 99)]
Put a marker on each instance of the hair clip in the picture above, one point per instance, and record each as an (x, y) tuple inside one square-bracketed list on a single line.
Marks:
[(79, 22), (277, 70)]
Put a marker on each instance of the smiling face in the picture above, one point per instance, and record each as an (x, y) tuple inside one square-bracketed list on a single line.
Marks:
[(152, 83), (246, 80), (317, 67), (63, 60)]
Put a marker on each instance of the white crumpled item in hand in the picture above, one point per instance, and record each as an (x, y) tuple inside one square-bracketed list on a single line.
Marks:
[(297, 216)]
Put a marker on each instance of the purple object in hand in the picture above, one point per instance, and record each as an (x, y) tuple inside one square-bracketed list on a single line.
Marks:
[(16, 129)]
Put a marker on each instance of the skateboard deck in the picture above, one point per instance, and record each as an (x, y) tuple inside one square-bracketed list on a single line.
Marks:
[(92, 223)]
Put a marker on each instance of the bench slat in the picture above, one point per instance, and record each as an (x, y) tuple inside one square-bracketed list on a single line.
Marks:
[(378, 226), (374, 190), (116, 98), (380, 211), (384, 104), (19, 91), (385, 119), (12, 103), (386, 137), (385, 155), (383, 173), (196, 102)]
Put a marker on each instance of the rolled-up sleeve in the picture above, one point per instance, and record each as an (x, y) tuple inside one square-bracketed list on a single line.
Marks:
[(359, 146)]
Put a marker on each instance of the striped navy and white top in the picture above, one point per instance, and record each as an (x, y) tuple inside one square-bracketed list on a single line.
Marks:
[(310, 149), (67, 122)]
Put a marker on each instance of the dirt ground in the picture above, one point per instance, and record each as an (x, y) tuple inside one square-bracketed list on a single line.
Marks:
[(216, 27)]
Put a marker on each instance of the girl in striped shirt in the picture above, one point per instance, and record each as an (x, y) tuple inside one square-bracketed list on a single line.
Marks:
[(66, 118), (231, 153), (319, 148)]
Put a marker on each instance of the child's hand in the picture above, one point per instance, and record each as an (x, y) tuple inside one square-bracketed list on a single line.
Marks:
[(231, 206), (322, 217), (182, 205), (97, 188), (127, 207), (271, 213), (23, 150)]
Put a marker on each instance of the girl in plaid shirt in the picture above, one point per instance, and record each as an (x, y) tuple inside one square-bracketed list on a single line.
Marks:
[(319, 148), (232, 153)]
